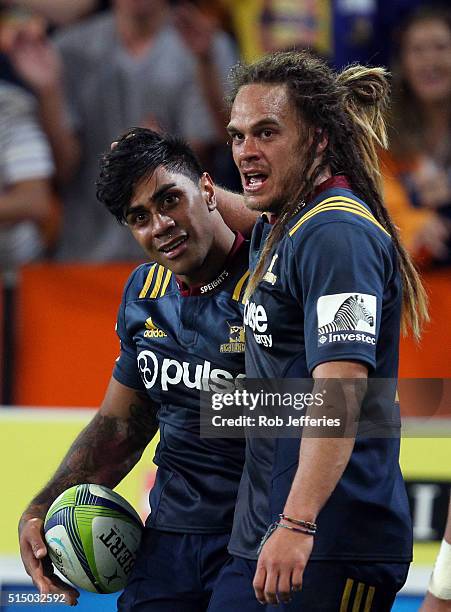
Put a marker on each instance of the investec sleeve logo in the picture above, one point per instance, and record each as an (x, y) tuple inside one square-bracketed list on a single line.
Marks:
[(347, 317)]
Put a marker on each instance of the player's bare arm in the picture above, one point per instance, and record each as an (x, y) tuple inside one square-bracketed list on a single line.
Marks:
[(103, 453), (107, 449), (234, 211), (322, 462)]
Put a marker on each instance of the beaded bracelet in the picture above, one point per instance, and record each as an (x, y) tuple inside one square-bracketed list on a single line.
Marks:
[(271, 529), (296, 529), (311, 527)]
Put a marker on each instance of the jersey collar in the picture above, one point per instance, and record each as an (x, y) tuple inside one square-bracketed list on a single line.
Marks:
[(339, 181), (206, 288)]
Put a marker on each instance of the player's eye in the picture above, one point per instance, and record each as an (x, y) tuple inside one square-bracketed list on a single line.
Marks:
[(137, 219), (236, 137), (266, 133), (169, 200)]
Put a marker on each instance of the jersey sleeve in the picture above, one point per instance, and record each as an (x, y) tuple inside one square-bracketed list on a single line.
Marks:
[(126, 369), (341, 270)]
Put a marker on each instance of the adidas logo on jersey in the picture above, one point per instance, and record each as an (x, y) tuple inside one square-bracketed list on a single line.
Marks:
[(152, 331), (171, 372)]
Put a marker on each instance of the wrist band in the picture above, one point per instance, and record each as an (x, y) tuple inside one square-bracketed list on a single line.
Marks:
[(440, 582), (296, 529), (311, 527), (271, 529)]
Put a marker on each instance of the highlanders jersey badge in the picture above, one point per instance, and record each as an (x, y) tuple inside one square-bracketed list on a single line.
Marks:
[(236, 340)]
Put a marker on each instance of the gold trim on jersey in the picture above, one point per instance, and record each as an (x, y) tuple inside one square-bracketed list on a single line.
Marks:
[(167, 278), (357, 597), (148, 282), (346, 595), (338, 203), (341, 201), (155, 282), (369, 599), (239, 286), (156, 287)]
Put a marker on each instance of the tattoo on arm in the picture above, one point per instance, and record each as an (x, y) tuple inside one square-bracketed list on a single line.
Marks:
[(103, 453)]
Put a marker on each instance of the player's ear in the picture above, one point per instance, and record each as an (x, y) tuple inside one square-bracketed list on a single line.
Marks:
[(324, 141), (207, 190), (313, 133)]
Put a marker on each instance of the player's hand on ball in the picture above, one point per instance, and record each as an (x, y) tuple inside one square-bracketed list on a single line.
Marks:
[(37, 562), (281, 565)]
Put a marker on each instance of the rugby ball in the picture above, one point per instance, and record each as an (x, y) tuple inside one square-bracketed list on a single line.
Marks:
[(92, 536)]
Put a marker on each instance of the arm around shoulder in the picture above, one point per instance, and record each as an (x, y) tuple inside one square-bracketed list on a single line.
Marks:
[(235, 212)]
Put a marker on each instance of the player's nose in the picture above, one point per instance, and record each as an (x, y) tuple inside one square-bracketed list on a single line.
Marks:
[(162, 225), (249, 149)]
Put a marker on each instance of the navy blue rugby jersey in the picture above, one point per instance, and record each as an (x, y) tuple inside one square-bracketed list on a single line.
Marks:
[(176, 341), (335, 259)]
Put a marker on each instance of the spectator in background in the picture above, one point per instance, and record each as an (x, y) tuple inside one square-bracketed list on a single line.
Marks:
[(344, 31), (418, 169), (58, 12), (11, 22), (129, 66), (263, 26), (26, 169)]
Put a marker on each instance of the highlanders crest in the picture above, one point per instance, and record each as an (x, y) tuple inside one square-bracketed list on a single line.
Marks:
[(236, 340)]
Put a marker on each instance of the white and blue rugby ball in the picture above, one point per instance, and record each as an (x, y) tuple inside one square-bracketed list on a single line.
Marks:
[(92, 535)]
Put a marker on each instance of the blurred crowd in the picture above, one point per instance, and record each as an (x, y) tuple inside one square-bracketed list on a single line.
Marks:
[(75, 75)]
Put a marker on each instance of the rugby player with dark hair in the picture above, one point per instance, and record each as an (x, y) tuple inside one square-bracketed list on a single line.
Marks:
[(181, 331), (322, 523)]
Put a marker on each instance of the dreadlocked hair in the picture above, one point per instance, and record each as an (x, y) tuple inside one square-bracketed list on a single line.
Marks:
[(349, 108)]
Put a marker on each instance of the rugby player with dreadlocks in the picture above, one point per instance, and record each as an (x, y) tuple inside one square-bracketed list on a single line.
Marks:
[(330, 290)]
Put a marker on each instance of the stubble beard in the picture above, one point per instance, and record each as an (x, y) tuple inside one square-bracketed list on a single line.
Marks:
[(287, 193)]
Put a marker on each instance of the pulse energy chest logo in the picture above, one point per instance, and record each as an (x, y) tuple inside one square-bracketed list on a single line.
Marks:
[(256, 318), (347, 317)]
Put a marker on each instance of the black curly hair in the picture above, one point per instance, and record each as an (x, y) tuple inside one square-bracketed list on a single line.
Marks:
[(136, 155)]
